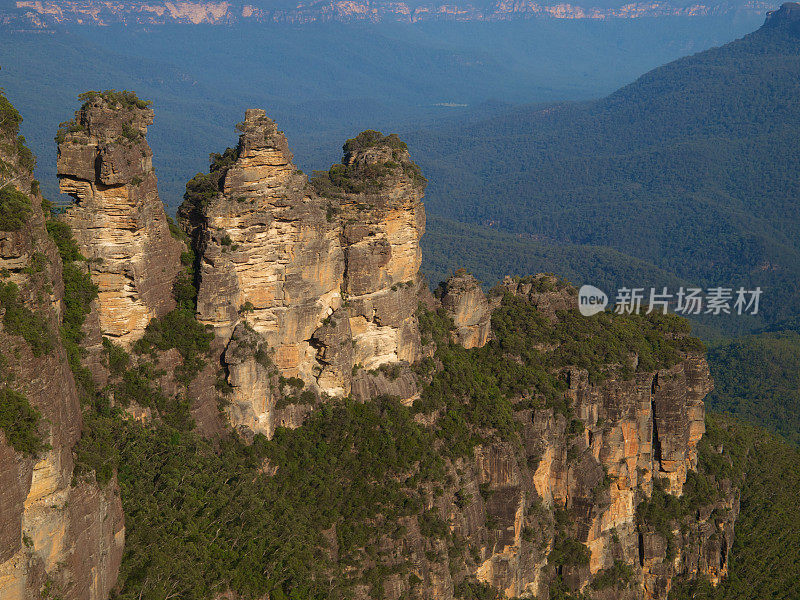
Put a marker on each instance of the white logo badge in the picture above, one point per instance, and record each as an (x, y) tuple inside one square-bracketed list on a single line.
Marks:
[(591, 300)]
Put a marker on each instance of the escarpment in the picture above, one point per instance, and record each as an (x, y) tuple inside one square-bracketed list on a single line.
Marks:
[(443, 446), (61, 535), (604, 496), (326, 273), (314, 286), (105, 163)]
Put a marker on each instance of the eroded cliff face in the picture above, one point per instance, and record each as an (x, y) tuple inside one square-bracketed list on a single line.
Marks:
[(463, 299), (267, 254), (326, 275), (312, 289), (382, 217), (599, 477), (118, 220), (59, 536)]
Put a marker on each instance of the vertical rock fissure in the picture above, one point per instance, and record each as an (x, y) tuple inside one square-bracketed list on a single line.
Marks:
[(653, 416)]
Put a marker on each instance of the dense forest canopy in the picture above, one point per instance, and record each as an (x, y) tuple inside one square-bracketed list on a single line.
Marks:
[(691, 168)]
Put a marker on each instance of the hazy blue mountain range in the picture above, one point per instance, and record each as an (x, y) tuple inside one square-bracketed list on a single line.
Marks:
[(691, 168), (323, 83)]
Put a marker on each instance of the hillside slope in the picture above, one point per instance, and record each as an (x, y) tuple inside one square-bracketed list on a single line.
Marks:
[(692, 167)]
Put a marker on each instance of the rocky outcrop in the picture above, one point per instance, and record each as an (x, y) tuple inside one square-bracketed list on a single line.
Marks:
[(583, 474), (379, 192), (545, 291), (326, 275), (57, 533), (597, 477), (464, 300), (267, 253), (312, 289), (118, 220)]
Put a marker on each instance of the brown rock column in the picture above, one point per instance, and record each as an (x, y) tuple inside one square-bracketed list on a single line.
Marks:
[(118, 220)]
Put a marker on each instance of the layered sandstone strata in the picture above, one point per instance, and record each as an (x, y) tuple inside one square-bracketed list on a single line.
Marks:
[(325, 273), (379, 193), (118, 220), (464, 300), (625, 435), (57, 533)]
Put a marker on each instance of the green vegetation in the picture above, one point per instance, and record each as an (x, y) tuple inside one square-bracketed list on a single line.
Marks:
[(125, 99), (757, 378), (365, 178), (568, 551), (201, 521), (68, 127), (524, 360), (204, 187), (132, 134), (20, 320), (475, 590), (765, 554), (654, 171), (79, 291), (20, 422), (37, 264), (15, 208), (371, 138), (619, 575), (118, 358), (10, 119), (61, 234), (180, 330), (184, 289)]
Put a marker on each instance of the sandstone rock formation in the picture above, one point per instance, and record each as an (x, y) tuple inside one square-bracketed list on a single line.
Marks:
[(311, 288), (464, 300), (545, 291), (105, 163), (57, 533), (43, 14), (629, 439), (326, 274)]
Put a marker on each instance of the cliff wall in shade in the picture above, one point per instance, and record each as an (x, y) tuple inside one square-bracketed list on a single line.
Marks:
[(58, 535), (118, 220), (568, 508), (324, 273)]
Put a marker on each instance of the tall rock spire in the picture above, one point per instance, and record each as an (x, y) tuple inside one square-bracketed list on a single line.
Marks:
[(267, 253), (377, 191), (325, 273), (105, 163)]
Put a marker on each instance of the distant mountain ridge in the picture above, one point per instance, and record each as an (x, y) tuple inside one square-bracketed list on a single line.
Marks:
[(45, 14), (692, 167)]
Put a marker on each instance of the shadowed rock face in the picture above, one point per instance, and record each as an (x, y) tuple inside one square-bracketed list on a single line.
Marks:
[(464, 300), (327, 275), (632, 432), (52, 529), (118, 220)]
